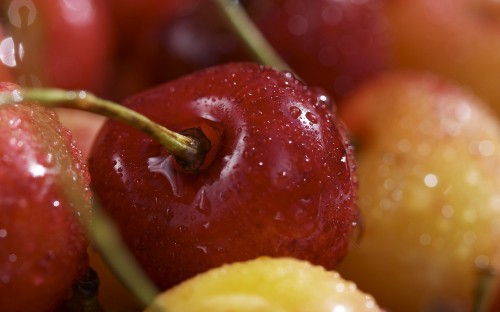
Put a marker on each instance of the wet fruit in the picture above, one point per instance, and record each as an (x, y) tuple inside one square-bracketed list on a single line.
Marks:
[(429, 191), (44, 204), (278, 180), (266, 284)]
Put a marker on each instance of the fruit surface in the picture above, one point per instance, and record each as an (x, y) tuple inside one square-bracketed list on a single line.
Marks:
[(267, 284), (334, 45), (44, 206), (57, 43), (457, 39), (279, 179), (429, 191), (83, 127)]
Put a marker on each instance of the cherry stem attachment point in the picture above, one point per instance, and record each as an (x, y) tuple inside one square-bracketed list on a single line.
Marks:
[(182, 147)]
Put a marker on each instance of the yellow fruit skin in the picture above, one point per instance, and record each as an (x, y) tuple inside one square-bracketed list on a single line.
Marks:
[(429, 193), (266, 284)]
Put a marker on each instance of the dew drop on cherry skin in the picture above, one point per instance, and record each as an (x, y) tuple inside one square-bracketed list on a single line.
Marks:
[(279, 180)]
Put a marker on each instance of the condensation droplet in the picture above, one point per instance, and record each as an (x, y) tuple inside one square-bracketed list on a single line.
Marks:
[(340, 287), (12, 258), (3, 233), (162, 165), (447, 211), (203, 204), (5, 278), (430, 180), (425, 239), (8, 52), (298, 25), (404, 145), (312, 118), (482, 262), (486, 148), (295, 112), (469, 238)]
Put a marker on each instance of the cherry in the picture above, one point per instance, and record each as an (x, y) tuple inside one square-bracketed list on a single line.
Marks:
[(58, 43), (266, 284), (428, 164), (336, 45), (44, 208), (278, 178)]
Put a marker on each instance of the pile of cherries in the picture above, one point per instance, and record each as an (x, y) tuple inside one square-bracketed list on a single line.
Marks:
[(213, 157)]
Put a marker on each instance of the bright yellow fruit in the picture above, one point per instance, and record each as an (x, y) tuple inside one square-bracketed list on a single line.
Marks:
[(266, 284)]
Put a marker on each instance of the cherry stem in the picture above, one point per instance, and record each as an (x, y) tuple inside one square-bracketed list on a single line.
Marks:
[(181, 146), (108, 242), (255, 42), (484, 290)]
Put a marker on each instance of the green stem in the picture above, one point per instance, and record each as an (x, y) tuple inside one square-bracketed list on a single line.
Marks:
[(108, 242), (255, 42), (181, 146), (483, 292), (177, 144)]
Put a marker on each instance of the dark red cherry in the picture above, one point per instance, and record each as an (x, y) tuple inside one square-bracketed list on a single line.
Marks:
[(335, 45), (278, 180)]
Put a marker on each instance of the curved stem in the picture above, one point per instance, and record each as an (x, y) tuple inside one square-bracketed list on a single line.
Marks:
[(108, 242), (187, 150), (255, 42), (177, 144)]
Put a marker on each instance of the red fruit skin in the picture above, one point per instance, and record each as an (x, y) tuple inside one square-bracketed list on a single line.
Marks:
[(335, 45), (44, 184), (65, 43), (282, 182)]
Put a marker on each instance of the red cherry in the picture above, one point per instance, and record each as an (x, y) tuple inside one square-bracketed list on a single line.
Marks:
[(59, 43), (332, 44), (279, 179), (335, 45), (44, 201)]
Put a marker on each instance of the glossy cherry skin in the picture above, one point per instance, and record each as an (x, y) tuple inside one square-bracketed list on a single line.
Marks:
[(57, 43), (44, 206), (335, 45), (280, 182)]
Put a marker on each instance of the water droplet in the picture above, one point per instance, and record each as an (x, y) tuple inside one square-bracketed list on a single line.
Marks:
[(486, 148), (295, 112), (163, 165), (430, 180), (3, 233), (203, 204), (469, 238), (425, 239), (12, 258), (38, 280), (340, 287), (5, 278), (202, 248), (482, 262), (447, 211), (312, 118)]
